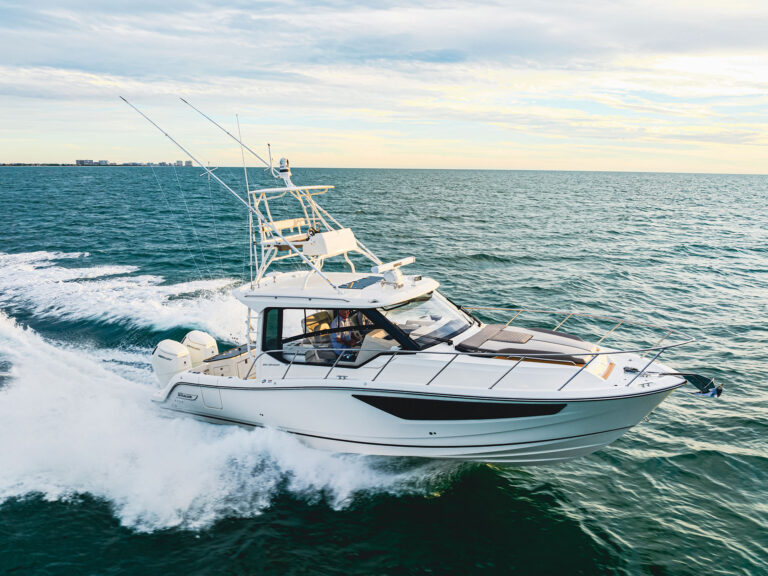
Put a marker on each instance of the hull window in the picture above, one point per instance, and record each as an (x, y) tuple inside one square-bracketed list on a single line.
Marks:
[(428, 409)]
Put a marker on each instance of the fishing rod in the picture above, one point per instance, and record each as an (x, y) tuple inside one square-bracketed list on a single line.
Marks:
[(269, 165), (228, 133), (250, 208)]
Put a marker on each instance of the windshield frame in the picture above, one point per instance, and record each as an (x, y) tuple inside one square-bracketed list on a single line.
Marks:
[(426, 340)]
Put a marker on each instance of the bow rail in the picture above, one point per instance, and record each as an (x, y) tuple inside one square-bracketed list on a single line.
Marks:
[(451, 356)]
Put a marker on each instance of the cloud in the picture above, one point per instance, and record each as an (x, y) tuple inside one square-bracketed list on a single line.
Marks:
[(169, 37), (665, 74)]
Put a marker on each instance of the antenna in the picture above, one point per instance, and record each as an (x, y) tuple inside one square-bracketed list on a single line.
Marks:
[(251, 209), (271, 169), (242, 155), (204, 115)]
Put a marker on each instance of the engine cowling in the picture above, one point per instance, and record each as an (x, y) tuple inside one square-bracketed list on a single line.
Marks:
[(169, 358), (201, 346)]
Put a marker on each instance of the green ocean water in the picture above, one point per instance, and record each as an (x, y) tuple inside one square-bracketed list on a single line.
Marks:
[(98, 264)]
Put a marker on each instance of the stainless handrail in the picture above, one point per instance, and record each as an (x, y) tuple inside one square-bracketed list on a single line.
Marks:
[(667, 335), (456, 355), (568, 315), (645, 367), (566, 312), (609, 332), (500, 355), (513, 318), (334, 364), (555, 329), (509, 355), (289, 365), (253, 364), (506, 373), (579, 371), (385, 364)]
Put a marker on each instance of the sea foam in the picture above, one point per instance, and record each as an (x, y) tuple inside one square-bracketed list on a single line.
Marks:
[(79, 421), (37, 282)]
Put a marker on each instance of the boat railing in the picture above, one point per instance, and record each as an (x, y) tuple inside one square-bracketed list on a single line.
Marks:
[(451, 356), (616, 322)]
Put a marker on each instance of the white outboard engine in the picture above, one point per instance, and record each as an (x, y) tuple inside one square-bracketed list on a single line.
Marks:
[(170, 358), (201, 346)]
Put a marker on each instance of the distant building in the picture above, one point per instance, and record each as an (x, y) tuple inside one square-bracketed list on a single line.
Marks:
[(188, 163), (179, 163), (103, 162), (83, 162)]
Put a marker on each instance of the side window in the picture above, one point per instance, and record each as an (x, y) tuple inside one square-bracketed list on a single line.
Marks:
[(307, 336), (293, 323), (325, 336), (272, 339)]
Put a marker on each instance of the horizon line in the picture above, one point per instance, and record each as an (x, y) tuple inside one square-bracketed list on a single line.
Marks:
[(147, 165)]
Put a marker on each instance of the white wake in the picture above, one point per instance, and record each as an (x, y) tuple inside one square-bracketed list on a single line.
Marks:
[(77, 420), (73, 421), (37, 282)]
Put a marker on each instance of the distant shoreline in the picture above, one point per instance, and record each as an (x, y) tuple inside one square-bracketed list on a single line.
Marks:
[(159, 165), (112, 165)]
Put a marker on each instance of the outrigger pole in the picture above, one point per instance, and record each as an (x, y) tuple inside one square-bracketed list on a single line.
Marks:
[(250, 208), (228, 133), (363, 250)]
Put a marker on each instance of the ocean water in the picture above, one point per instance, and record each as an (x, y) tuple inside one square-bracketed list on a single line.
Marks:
[(98, 264)]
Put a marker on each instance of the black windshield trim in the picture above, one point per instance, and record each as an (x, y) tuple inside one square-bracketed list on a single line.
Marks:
[(422, 298), (383, 322), (327, 331), (441, 339), (415, 344)]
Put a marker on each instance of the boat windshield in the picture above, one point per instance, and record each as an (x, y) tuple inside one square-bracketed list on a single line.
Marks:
[(428, 319)]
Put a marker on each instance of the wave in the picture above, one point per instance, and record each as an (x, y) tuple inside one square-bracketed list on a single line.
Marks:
[(114, 294), (72, 422), (480, 257)]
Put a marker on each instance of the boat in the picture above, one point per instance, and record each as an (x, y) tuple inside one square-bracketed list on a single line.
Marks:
[(371, 359)]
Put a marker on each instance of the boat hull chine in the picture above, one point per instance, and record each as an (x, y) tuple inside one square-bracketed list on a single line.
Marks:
[(525, 453)]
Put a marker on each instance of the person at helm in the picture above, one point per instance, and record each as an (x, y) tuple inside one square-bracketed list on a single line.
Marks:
[(344, 339)]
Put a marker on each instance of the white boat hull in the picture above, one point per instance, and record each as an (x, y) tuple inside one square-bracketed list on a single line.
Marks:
[(335, 418)]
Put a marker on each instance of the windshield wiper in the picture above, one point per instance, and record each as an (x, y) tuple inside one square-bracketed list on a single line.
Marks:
[(438, 339), (471, 316)]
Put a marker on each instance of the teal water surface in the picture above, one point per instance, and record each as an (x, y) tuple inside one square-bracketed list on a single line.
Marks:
[(98, 264)]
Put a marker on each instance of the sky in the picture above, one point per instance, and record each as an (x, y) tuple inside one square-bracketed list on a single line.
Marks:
[(669, 86)]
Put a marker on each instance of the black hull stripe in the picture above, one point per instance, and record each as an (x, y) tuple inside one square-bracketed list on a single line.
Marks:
[(403, 445), (409, 408), (412, 393)]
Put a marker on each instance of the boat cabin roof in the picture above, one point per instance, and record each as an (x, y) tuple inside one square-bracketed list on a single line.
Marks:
[(353, 290)]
